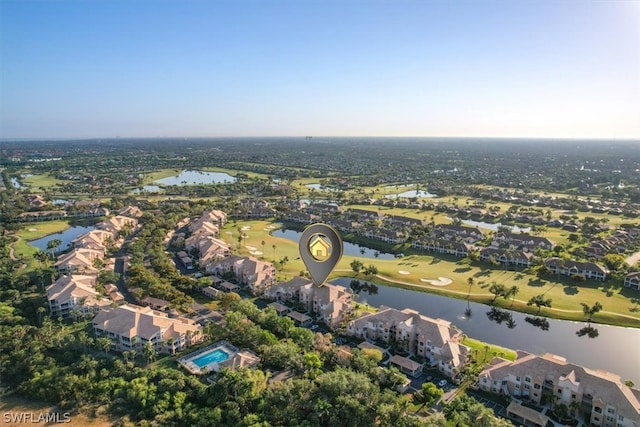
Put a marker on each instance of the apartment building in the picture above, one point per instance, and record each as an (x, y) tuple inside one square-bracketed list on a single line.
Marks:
[(600, 398), (129, 327)]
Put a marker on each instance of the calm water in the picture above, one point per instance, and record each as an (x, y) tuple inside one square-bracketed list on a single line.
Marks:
[(349, 248), (494, 227), (59, 201), (148, 189), (16, 184), (317, 186), (411, 193), (197, 177), (66, 236), (560, 339)]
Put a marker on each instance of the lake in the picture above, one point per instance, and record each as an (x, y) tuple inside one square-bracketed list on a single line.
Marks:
[(411, 193), (317, 186), (349, 248), (147, 189), (616, 349), (192, 177), (66, 236), (16, 183)]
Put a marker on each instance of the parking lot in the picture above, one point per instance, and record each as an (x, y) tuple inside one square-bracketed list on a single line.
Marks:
[(416, 383), (498, 409)]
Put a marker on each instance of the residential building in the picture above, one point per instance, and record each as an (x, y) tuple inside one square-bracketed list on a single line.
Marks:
[(258, 275), (130, 211), (78, 260), (94, 239), (523, 242), (211, 250), (130, 327), (632, 280), (116, 224), (457, 232), (450, 247), (331, 303), (598, 396), (436, 340), (507, 257), (75, 295), (570, 268)]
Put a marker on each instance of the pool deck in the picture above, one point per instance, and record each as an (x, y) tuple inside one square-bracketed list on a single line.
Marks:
[(187, 360)]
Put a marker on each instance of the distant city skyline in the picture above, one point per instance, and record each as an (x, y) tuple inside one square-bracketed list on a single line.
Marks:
[(164, 68)]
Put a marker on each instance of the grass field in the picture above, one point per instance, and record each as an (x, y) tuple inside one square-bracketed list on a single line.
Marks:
[(566, 296), (485, 355), (34, 231)]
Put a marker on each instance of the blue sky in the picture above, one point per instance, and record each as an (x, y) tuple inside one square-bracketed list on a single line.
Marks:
[(106, 68)]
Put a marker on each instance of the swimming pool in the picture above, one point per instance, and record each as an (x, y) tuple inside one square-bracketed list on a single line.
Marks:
[(214, 356)]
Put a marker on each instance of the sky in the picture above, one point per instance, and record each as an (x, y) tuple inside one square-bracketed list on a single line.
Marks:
[(165, 68)]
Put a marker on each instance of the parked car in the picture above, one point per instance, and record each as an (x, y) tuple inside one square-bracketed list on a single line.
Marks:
[(442, 383)]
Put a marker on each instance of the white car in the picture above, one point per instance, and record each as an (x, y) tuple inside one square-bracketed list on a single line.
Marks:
[(442, 383)]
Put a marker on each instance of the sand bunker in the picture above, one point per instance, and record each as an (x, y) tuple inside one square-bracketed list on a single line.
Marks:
[(245, 228), (257, 253), (403, 272), (440, 281), (251, 248), (33, 229)]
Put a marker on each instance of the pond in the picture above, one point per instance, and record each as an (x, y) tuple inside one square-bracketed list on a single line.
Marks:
[(615, 349), (349, 248), (147, 189), (16, 183), (66, 236), (411, 193), (193, 177), (494, 227), (317, 186), (59, 201)]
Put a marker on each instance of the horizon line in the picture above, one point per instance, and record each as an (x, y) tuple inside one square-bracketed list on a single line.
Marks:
[(115, 138)]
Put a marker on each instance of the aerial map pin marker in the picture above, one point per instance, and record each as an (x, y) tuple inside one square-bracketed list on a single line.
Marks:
[(320, 249)]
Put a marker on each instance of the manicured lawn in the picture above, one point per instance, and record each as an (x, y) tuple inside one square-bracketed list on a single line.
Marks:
[(494, 350), (36, 230), (566, 296)]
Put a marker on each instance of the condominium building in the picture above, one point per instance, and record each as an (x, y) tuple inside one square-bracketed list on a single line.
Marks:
[(130, 327), (599, 397)]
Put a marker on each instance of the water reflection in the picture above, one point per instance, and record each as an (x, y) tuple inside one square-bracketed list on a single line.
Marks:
[(193, 177), (559, 337), (66, 237)]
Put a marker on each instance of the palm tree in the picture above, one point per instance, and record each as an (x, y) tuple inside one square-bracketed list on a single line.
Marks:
[(104, 343), (274, 252), (52, 245), (470, 282), (263, 243), (149, 351), (513, 291)]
